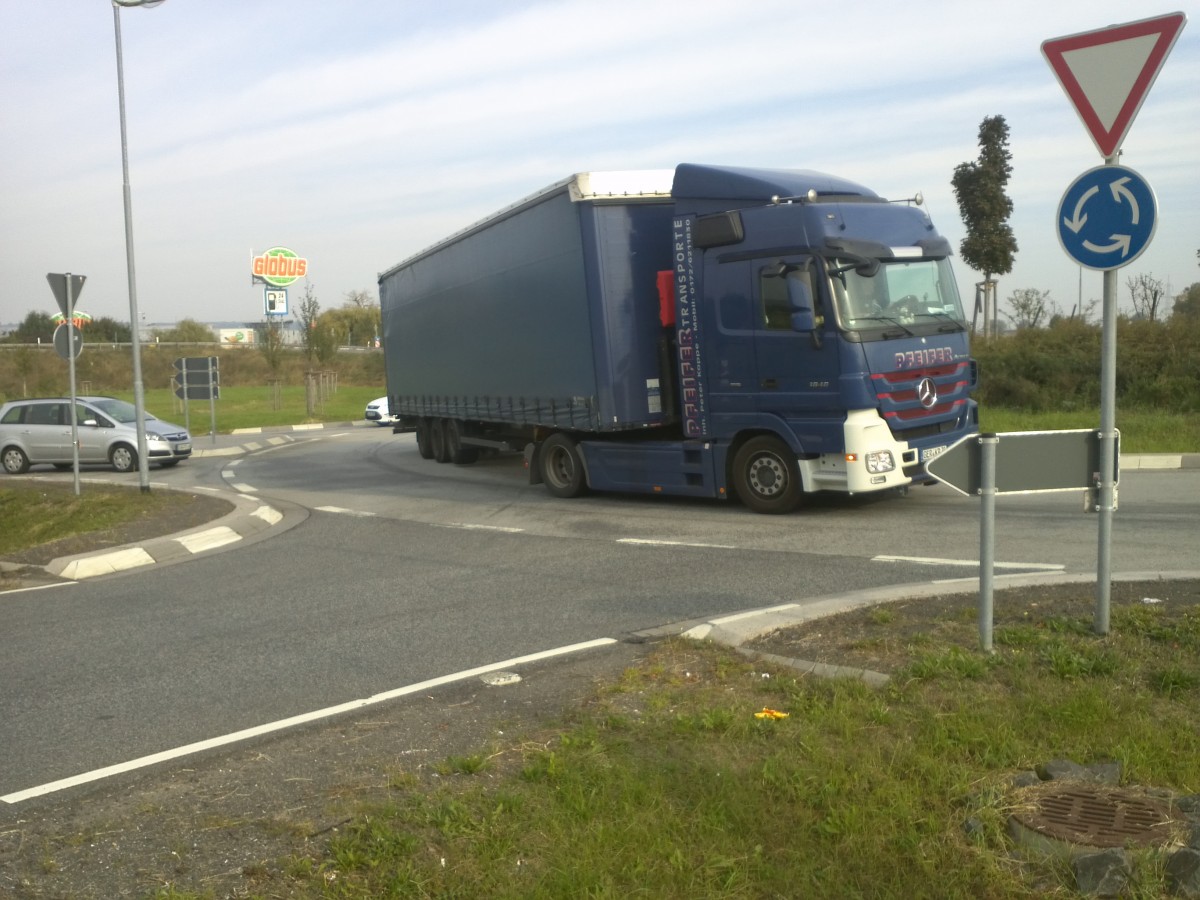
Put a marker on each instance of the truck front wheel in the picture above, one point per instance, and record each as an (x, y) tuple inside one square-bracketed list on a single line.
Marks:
[(562, 466), (766, 476)]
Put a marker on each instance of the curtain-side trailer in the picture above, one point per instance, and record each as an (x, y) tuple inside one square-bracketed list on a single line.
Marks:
[(699, 332)]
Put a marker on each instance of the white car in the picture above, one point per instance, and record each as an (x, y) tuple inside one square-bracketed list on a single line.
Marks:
[(379, 412)]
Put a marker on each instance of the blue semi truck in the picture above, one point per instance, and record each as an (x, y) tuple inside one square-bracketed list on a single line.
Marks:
[(706, 332)]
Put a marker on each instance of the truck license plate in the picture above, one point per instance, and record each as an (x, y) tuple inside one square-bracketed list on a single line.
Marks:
[(930, 452)]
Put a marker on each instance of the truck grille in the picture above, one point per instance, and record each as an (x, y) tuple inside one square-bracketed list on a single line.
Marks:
[(901, 405)]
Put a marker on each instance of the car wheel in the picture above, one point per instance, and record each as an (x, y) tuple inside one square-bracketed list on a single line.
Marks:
[(561, 466), (123, 458), (766, 476), (15, 461)]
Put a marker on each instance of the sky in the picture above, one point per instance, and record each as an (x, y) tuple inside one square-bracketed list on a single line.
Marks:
[(358, 133)]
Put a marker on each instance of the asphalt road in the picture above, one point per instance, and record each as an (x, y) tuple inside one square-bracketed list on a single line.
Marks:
[(406, 571)]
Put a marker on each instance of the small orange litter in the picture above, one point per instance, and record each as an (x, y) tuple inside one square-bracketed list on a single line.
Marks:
[(768, 713)]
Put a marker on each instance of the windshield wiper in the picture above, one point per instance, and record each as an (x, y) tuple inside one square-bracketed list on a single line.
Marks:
[(952, 325), (890, 321)]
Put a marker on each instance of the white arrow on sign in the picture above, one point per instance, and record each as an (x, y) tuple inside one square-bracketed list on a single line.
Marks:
[(1107, 73)]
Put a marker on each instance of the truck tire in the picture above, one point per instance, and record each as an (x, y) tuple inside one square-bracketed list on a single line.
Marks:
[(457, 453), (424, 447), (766, 476), (437, 440), (561, 466)]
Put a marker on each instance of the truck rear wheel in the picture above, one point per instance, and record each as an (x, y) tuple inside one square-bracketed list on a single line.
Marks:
[(424, 446), (561, 466), (766, 476), (437, 440), (457, 453)]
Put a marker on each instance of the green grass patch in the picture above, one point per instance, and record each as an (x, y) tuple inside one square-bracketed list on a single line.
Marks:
[(39, 512), (669, 785), (1142, 431), (259, 406)]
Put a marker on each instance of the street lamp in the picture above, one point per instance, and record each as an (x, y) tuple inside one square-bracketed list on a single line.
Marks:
[(139, 397)]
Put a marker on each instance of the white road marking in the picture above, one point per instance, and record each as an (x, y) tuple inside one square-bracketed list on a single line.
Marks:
[(342, 511), (935, 561), (107, 563), (209, 539), (244, 488), (268, 514), (653, 543), (469, 526), (258, 730)]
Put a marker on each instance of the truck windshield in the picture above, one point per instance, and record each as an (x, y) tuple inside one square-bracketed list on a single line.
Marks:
[(901, 292)]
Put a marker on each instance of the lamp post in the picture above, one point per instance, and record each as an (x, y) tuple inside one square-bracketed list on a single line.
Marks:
[(139, 397)]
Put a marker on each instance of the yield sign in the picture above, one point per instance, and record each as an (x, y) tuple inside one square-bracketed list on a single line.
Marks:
[(1107, 73)]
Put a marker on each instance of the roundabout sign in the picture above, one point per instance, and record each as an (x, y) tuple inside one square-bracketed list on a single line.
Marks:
[(1107, 217)]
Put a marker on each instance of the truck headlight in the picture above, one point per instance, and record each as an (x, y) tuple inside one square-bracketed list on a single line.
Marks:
[(880, 461)]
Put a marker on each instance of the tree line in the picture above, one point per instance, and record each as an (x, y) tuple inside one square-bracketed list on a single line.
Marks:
[(356, 323)]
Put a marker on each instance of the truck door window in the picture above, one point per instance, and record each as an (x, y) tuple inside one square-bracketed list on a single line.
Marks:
[(775, 312)]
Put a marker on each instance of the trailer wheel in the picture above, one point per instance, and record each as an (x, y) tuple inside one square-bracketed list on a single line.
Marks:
[(561, 466), (424, 444), (437, 440), (766, 476), (457, 453)]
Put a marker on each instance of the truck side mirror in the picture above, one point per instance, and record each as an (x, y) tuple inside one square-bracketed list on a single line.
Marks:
[(800, 301)]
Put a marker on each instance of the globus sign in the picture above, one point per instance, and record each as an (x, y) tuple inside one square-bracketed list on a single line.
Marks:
[(279, 266)]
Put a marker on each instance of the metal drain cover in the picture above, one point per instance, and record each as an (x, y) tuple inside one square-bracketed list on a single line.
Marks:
[(1096, 816)]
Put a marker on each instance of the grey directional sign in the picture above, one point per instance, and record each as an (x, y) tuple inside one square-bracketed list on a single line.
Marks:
[(68, 341), (58, 284), (1026, 462)]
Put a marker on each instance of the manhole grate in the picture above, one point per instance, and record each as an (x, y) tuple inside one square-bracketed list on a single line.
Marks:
[(1097, 817)]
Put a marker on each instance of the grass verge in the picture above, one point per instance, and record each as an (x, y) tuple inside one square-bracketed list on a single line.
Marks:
[(40, 512), (674, 783)]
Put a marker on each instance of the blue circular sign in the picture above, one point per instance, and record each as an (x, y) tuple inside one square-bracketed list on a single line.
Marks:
[(1107, 217)]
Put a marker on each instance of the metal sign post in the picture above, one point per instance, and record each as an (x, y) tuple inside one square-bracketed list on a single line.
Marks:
[(1017, 462), (66, 288), (1107, 74)]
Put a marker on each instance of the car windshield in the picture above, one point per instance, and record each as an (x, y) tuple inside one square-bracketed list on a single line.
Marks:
[(118, 410), (901, 292)]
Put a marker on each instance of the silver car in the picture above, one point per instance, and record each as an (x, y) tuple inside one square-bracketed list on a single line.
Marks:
[(39, 431)]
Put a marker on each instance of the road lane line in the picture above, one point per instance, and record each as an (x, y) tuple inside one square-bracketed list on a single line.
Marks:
[(342, 511), (469, 526), (935, 561), (653, 543), (282, 724)]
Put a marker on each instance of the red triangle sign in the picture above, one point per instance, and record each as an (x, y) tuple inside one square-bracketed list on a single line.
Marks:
[(1107, 73)]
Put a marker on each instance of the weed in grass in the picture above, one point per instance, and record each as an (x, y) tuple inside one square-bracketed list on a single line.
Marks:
[(1079, 660), (881, 615), (471, 764), (950, 662), (1173, 680)]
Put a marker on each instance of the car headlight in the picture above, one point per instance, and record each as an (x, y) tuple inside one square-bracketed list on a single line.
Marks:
[(153, 436), (880, 461)]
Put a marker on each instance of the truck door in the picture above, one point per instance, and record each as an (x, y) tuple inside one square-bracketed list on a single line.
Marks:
[(797, 364), (729, 340)]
